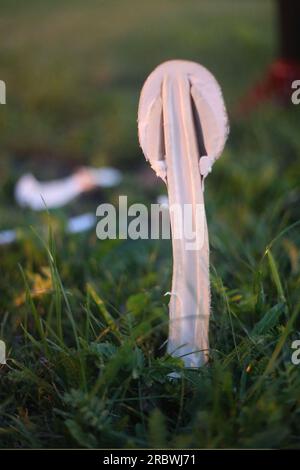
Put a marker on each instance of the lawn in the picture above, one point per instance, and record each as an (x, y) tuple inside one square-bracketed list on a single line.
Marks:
[(85, 321)]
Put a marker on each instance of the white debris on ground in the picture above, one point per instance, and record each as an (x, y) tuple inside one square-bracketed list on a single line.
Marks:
[(36, 195), (77, 224), (81, 223), (29, 192), (7, 237)]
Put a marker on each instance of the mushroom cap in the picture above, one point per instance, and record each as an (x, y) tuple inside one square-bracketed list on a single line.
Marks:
[(208, 103)]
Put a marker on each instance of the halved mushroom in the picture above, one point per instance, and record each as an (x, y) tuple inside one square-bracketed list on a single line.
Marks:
[(183, 127)]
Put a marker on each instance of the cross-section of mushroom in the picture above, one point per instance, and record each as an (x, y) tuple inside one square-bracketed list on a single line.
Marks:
[(183, 128)]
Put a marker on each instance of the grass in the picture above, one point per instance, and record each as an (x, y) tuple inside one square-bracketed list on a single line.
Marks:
[(85, 320)]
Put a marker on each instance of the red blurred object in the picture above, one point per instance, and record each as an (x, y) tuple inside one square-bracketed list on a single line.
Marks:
[(277, 82), (275, 86)]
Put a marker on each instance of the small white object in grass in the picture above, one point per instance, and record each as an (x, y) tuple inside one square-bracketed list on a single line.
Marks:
[(7, 237), (77, 224), (2, 352), (106, 177), (29, 192), (81, 223), (174, 376), (183, 127)]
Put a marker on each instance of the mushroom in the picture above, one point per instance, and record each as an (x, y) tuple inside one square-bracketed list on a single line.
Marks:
[(183, 127), (30, 192)]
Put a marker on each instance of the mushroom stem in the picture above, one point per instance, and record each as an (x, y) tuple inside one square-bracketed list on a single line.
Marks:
[(190, 296)]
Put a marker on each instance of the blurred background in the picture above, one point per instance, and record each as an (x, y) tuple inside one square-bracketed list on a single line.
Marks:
[(74, 71), (73, 74)]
